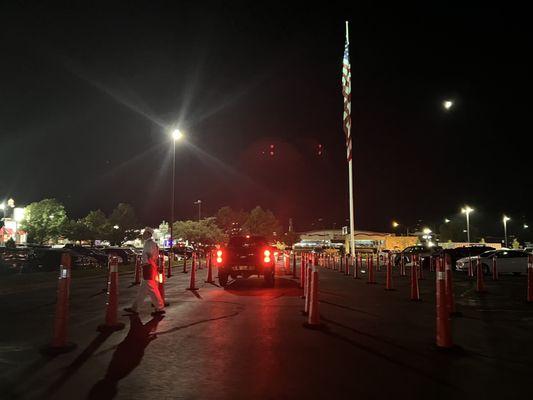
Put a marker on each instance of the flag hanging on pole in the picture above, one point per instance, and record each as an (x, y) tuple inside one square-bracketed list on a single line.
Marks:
[(347, 127), (347, 94)]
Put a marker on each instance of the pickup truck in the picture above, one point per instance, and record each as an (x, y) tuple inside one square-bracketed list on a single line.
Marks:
[(245, 256)]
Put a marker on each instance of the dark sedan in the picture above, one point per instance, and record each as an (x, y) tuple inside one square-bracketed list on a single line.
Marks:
[(90, 252), (462, 252), (423, 252)]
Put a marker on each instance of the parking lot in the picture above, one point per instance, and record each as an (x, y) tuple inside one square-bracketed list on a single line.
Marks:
[(247, 341)]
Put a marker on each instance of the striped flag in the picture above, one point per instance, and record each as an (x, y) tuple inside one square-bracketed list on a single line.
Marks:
[(347, 94)]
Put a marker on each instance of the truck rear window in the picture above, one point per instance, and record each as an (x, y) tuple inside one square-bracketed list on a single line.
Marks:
[(252, 241)]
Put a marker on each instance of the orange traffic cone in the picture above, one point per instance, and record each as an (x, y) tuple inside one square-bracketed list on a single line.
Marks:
[(358, 262), (313, 320), (480, 283), (450, 296), (470, 268), (388, 281), (415, 289), (443, 331), (209, 262), (161, 278), (370, 265), (192, 281), (307, 290), (184, 270), (111, 317), (59, 342), (170, 259)]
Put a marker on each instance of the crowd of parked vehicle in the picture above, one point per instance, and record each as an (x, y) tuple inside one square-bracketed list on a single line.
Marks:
[(511, 260), (35, 258)]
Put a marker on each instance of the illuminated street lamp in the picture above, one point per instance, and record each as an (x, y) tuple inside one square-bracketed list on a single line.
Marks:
[(467, 210), (447, 104), (116, 227), (505, 219), (446, 221), (177, 136), (526, 226), (395, 224)]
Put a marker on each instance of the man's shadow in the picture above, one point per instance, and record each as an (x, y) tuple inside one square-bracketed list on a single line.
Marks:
[(126, 357)]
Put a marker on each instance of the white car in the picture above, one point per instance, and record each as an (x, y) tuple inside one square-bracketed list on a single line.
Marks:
[(507, 261)]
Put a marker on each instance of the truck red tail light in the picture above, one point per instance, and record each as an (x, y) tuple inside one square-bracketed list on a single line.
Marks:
[(266, 253), (219, 256)]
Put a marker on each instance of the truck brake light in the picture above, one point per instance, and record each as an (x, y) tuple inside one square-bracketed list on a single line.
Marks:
[(266, 253)]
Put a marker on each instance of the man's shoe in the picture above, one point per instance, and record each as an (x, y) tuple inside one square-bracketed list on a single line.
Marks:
[(158, 312), (130, 310)]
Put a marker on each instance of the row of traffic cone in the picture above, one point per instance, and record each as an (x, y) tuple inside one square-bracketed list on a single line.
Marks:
[(59, 343)]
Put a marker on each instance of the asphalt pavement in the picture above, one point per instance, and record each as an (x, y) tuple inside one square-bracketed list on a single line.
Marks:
[(248, 342)]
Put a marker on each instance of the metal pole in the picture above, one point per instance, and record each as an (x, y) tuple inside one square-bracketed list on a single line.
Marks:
[(350, 177), (467, 227), (505, 230), (172, 202)]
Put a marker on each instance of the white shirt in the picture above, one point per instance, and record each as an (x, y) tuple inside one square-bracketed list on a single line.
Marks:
[(150, 247)]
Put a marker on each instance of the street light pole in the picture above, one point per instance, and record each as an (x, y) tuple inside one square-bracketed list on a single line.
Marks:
[(199, 204), (467, 227), (505, 219), (467, 210), (171, 242), (176, 135)]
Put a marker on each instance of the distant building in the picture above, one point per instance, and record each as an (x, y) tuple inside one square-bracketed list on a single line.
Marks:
[(364, 240)]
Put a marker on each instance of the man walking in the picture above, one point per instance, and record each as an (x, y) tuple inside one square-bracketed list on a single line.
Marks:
[(149, 285)]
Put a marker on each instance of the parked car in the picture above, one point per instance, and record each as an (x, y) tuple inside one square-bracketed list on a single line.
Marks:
[(50, 259), (183, 250), (99, 255), (507, 261), (462, 252), (245, 256), (421, 251), (125, 255), (14, 259)]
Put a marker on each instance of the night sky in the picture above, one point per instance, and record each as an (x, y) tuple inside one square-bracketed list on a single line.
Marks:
[(88, 95)]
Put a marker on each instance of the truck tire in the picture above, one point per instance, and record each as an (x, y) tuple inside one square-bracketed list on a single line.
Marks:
[(269, 279), (223, 279)]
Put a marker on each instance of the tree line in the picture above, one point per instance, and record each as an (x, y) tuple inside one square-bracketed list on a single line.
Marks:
[(47, 221)]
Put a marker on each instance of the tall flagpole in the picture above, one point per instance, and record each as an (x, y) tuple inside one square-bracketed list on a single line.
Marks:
[(350, 176)]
